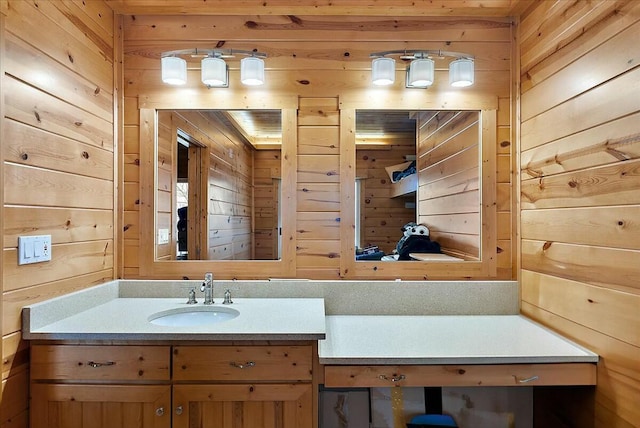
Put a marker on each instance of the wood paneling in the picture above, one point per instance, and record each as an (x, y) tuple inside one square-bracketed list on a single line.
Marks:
[(327, 81), (579, 194), (448, 146), (318, 183), (4, 349), (58, 164), (383, 8), (382, 214)]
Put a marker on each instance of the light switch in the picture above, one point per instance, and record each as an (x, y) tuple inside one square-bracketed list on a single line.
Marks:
[(163, 236), (37, 248), (34, 249), (27, 249)]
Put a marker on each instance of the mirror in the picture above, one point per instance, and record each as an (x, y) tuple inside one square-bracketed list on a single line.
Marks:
[(421, 167), (218, 185)]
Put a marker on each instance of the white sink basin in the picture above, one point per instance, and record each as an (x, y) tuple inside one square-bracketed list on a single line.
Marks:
[(193, 316)]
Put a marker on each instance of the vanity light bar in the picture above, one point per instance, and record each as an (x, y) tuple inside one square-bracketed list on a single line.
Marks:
[(421, 70), (214, 69)]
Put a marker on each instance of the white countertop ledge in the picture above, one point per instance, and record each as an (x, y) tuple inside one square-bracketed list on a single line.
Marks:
[(441, 339), (128, 319)]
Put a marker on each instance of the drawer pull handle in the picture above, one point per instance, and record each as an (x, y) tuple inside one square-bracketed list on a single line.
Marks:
[(242, 366), (160, 411), (527, 380), (179, 410), (393, 378), (96, 365)]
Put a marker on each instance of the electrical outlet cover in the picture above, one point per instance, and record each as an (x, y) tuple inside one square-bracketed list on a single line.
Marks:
[(34, 249)]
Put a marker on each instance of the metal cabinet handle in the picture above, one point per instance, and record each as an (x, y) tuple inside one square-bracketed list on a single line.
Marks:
[(95, 364), (393, 378), (526, 380), (179, 410), (241, 365), (160, 411)]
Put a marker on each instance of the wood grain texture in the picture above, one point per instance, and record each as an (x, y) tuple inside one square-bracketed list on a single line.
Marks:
[(463, 375), (121, 363), (58, 163), (84, 406), (384, 8), (15, 396), (58, 40), (579, 192), (244, 406), (15, 355)]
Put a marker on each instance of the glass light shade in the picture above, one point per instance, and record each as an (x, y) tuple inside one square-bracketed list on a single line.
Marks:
[(174, 70), (214, 72), (252, 71), (421, 73), (461, 73), (383, 71)]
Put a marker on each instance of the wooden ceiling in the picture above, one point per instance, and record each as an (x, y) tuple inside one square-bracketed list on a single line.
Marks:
[(476, 8)]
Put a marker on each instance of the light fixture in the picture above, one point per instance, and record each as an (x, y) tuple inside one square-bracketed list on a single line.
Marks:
[(383, 71), (461, 73), (252, 71), (174, 70), (214, 71), (420, 72)]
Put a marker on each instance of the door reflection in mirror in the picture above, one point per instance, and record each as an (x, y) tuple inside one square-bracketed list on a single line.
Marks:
[(218, 184)]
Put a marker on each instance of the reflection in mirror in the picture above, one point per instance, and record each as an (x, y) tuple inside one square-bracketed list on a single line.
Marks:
[(419, 167), (218, 185)]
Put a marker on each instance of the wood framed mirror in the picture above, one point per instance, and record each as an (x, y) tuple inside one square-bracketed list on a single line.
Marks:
[(175, 124), (466, 231)]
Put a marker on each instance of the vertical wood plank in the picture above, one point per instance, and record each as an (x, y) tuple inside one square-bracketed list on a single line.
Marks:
[(288, 192), (147, 194), (489, 168), (3, 9), (347, 190)]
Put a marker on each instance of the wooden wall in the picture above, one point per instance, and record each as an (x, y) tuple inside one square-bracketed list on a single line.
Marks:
[(449, 180), (579, 149), (167, 179), (580, 198), (383, 214), (58, 164), (266, 196), (332, 77)]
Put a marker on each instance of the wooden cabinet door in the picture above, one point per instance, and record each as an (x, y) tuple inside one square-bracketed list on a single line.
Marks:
[(100, 406), (243, 406)]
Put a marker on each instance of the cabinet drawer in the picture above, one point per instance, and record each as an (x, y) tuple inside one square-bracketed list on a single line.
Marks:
[(461, 375), (71, 362), (242, 363)]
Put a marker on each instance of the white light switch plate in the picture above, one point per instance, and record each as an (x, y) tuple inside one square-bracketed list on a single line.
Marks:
[(163, 236), (34, 249)]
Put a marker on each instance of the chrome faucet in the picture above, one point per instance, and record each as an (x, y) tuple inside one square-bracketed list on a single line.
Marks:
[(207, 287)]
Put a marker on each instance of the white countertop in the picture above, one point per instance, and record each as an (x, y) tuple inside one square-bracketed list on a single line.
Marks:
[(128, 319), (120, 311), (476, 339)]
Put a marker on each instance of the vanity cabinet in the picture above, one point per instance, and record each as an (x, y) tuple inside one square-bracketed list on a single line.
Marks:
[(100, 406), (243, 386), (175, 385), (100, 386)]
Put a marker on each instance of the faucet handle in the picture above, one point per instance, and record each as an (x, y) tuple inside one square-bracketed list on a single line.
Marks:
[(227, 298), (192, 297)]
